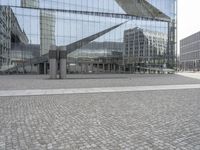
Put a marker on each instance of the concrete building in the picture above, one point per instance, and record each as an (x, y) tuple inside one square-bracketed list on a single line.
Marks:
[(5, 35), (190, 53), (145, 48), (11, 33)]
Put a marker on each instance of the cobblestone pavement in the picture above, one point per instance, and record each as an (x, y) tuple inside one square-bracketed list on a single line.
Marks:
[(86, 81), (157, 120)]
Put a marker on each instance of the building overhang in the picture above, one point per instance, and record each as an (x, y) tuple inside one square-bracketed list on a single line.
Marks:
[(142, 8)]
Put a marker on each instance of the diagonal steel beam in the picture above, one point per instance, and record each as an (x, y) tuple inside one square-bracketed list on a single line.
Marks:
[(69, 48), (78, 44)]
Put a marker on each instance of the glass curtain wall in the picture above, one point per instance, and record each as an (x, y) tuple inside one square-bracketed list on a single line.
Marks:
[(35, 25)]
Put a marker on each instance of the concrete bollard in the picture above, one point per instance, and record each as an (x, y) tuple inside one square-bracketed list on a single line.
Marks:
[(53, 62), (63, 63)]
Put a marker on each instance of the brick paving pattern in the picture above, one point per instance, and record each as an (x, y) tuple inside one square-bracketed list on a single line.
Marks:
[(157, 120)]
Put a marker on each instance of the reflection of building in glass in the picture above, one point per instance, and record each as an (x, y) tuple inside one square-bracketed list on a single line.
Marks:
[(145, 47), (11, 33), (97, 57), (47, 25), (29, 3), (5, 39), (190, 52), (47, 31), (69, 23), (22, 52), (98, 49)]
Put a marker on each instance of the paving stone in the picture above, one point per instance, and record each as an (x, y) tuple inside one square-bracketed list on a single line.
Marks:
[(129, 120)]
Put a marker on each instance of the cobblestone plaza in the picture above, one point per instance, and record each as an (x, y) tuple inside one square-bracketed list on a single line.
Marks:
[(145, 120)]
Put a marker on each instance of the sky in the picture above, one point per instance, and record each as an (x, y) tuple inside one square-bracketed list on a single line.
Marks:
[(188, 17)]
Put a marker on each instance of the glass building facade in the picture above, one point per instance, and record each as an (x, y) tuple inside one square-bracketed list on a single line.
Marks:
[(99, 25)]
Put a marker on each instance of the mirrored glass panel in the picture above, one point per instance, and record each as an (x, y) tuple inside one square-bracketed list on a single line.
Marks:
[(99, 34)]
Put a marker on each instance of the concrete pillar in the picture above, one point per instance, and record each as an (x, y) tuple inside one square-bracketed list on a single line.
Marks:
[(81, 68), (108, 67), (86, 68), (31, 68), (98, 68), (68, 67), (92, 68), (17, 70), (119, 69), (63, 63), (104, 68), (130, 68), (38, 68), (53, 62), (114, 67), (45, 68)]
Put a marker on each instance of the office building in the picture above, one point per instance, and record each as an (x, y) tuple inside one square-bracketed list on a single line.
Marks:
[(190, 53), (11, 33), (145, 48), (75, 24)]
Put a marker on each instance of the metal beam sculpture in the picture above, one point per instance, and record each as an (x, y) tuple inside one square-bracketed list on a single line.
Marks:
[(80, 43), (58, 55), (67, 48)]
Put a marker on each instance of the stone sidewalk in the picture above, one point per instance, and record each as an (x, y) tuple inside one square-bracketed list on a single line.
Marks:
[(146, 120), (150, 120)]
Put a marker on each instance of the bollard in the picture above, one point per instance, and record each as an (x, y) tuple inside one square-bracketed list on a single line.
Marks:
[(53, 62), (63, 63)]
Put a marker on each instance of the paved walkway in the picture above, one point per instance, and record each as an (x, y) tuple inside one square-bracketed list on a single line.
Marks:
[(109, 112), (194, 75), (4, 93), (150, 120)]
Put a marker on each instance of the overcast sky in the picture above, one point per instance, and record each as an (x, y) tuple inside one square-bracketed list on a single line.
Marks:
[(188, 17)]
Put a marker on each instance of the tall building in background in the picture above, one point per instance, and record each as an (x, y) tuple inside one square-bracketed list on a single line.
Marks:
[(47, 31), (30, 3), (47, 25), (76, 24), (11, 33), (190, 52), (5, 35)]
